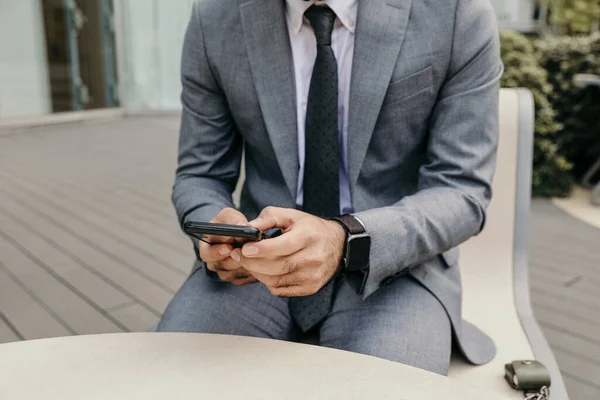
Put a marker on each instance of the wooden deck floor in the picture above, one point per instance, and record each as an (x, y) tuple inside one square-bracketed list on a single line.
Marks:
[(89, 243), (564, 272)]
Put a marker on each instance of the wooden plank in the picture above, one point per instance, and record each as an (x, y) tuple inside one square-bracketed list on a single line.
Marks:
[(549, 233), (554, 279), (561, 229), (571, 272), (581, 264), (111, 143), (108, 200), (569, 323), (579, 389), (571, 283), (113, 173), (570, 250), (161, 275), (136, 318), (166, 234), (551, 304), (558, 338), (105, 172), (586, 371), (143, 241), (89, 151), (557, 241), (107, 192), (27, 315), (71, 305), (146, 292), (8, 333), (567, 248), (582, 306), (149, 187), (589, 300), (98, 290)]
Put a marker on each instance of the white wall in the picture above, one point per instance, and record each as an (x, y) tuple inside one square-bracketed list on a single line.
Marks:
[(24, 86), (149, 40), (514, 13)]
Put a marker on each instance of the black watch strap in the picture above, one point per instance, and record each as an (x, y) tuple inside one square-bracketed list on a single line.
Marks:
[(356, 278), (351, 224)]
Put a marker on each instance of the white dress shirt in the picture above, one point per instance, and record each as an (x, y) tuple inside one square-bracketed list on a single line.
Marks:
[(304, 52)]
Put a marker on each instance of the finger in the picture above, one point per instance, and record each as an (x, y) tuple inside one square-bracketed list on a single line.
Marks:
[(232, 276), (217, 252), (214, 267), (273, 267), (287, 244), (293, 290), (275, 217), (281, 281), (230, 216), (244, 282), (229, 264)]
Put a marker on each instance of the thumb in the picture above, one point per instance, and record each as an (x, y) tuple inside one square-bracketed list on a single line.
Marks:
[(274, 217), (230, 216)]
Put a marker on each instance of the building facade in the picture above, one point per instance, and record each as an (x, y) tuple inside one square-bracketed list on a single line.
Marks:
[(70, 55)]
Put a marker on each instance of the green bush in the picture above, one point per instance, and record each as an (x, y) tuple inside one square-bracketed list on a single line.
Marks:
[(551, 170), (574, 16), (576, 109)]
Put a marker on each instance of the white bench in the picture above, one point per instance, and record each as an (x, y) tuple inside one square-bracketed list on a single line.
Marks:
[(494, 265)]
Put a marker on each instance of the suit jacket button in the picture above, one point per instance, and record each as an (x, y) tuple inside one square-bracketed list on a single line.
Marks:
[(387, 281)]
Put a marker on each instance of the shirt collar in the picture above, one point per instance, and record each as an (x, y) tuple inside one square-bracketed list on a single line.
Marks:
[(346, 11)]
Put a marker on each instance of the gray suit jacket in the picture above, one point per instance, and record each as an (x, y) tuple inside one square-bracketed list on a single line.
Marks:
[(422, 131)]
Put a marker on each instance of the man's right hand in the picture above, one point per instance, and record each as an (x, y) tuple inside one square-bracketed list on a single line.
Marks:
[(217, 256)]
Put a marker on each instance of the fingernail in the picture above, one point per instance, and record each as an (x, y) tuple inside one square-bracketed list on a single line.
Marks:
[(241, 223), (250, 251), (256, 221), (224, 251), (236, 256)]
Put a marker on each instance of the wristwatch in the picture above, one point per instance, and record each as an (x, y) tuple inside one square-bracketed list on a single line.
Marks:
[(358, 244)]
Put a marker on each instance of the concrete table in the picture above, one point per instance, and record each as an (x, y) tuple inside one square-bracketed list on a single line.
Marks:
[(193, 366)]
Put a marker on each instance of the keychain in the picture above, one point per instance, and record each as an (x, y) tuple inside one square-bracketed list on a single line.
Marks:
[(530, 376)]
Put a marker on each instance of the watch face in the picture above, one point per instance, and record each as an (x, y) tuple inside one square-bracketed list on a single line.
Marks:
[(359, 248)]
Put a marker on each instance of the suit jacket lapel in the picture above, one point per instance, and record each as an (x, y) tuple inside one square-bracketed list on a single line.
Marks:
[(270, 55), (380, 31)]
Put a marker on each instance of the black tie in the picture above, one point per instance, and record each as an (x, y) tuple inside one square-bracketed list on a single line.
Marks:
[(321, 166)]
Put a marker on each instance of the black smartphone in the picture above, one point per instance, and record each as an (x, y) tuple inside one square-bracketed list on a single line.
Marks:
[(221, 233)]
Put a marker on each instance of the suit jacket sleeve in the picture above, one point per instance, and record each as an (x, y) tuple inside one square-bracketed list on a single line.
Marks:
[(210, 147), (454, 187)]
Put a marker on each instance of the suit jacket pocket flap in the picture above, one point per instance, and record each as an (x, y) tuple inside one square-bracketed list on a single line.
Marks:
[(410, 85)]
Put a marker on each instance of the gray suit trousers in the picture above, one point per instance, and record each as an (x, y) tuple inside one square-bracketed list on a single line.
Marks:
[(401, 322)]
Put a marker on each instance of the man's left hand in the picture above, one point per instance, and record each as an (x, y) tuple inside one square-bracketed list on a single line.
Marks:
[(299, 262)]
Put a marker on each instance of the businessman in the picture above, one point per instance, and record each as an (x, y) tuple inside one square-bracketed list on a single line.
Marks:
[(369, 129)]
